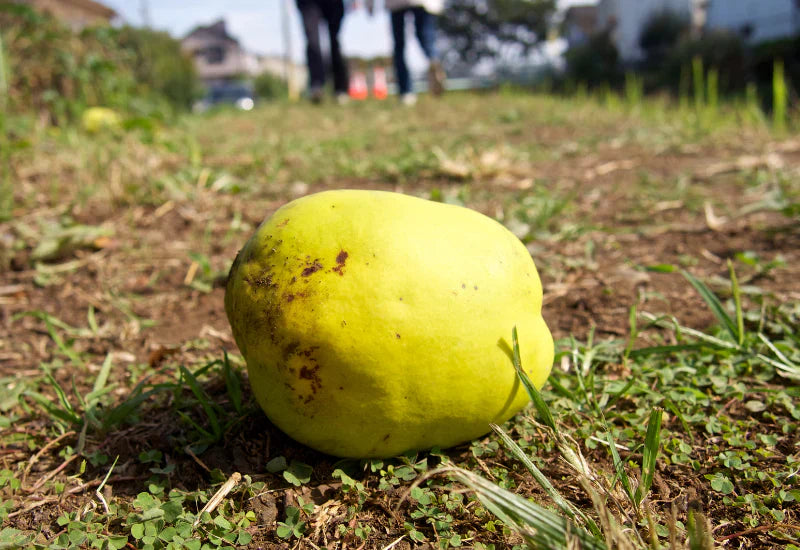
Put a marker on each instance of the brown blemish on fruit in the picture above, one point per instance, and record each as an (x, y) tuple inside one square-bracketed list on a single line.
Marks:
[(290, 349), (386, 437), (283, 223), (289, 297), (397, 336), (341, 258), (309, 373), (311, 269), (463, 285)]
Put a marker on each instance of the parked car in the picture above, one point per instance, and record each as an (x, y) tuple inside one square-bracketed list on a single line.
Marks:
[(237, 94)]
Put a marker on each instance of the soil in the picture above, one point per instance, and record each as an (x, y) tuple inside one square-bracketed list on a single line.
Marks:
[(139, 285)]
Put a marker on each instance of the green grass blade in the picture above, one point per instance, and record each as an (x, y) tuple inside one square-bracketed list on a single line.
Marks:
[(55, 321), (91, 320), (699, 532), (540, 526), (124, 410), (205, 401), (537, 474), (232, 384), (652, 441), (541, 407), (714, 305), (59, 342), (619, 465), (737, 301), (667, 350), (633, 332), (67, 416), (102, 376)]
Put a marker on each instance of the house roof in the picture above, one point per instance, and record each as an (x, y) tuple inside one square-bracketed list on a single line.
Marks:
[(216, 30)]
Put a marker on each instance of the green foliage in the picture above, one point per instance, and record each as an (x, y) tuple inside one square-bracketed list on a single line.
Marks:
[(479, 29), (594, 63), (661, 33), (55, 71), (269, 86), (719, 50), (159, 65)]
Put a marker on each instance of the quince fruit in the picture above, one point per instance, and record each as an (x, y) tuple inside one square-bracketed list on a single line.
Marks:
[(375, 323)]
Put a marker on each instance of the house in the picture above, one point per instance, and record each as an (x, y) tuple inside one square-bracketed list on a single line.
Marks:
[(218, 56), (755, 20), (77, 14), (579, 24), (625, 20)]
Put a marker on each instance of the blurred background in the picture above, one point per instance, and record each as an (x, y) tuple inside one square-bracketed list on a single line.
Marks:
[(154, 59)]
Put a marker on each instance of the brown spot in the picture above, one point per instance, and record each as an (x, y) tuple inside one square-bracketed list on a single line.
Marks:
[(463, 285), (475, 287), (290, 349), (397, 336), (283, 223), (289, 297), (386, 437), (341, 258), (308, 373), (313, 268)]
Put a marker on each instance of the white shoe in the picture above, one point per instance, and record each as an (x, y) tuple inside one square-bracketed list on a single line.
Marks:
[(409, 100)]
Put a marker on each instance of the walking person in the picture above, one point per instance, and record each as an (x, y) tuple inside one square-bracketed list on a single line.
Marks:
[(314, 12), (424, 14)]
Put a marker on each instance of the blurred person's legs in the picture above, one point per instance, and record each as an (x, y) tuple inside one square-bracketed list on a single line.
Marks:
[(425, 27), (312, 15), (399, 55), (334, 13)]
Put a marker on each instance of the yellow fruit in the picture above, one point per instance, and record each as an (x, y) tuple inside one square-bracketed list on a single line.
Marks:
[(375, 323), (95, 119)]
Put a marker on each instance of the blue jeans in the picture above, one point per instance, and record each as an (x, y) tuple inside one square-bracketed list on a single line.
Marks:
[(425, 27)]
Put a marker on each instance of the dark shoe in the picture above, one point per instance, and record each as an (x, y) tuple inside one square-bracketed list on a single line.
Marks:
[(316, 95), (436, 78)]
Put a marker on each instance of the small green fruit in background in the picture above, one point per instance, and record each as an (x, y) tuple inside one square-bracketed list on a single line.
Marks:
[(374, 323), (96, 119)]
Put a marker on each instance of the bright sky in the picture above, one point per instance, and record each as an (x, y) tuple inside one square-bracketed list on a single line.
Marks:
[(257, 25)]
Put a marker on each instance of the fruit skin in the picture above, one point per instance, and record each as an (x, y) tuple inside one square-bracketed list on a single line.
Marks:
[(375, 323)]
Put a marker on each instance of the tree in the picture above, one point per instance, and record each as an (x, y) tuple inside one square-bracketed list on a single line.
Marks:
[(661, 34), (500, 30)]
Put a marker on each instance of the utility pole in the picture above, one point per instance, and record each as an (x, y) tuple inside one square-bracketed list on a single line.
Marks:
[(144, 10), (291, 84)]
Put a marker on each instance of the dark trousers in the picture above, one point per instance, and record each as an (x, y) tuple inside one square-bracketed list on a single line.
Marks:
[(425, 28), (331, 12)]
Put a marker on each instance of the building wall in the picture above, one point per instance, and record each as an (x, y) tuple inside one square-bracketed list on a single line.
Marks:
[(755, 20), (627, 18)]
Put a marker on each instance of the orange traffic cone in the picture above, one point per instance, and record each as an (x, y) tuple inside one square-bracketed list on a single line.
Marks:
[(379, 88), (358, 86)]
